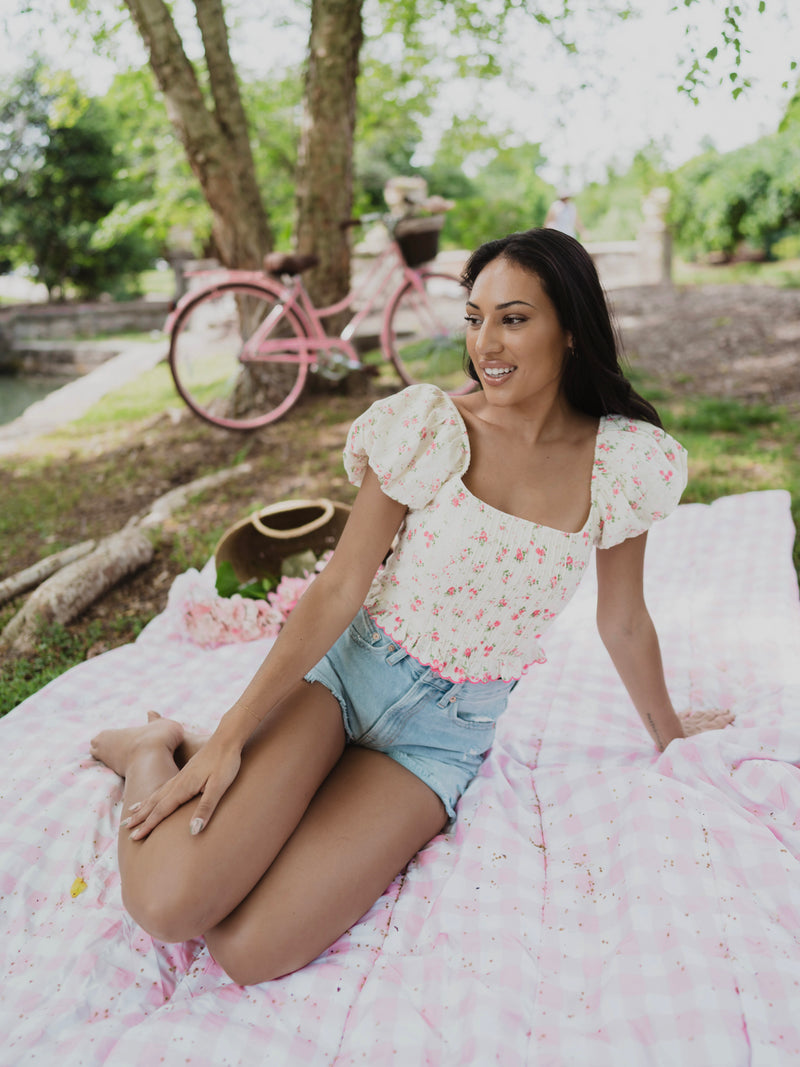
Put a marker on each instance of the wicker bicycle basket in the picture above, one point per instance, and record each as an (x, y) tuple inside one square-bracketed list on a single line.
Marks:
[(418, 238), (257, 546)]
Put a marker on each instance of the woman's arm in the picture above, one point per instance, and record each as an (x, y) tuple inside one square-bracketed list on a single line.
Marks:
[(325, 610), (627, 631)]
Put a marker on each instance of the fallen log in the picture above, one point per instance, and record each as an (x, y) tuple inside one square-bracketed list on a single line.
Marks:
[(32, 576), (63, 595), (72, 589), (162, 508)]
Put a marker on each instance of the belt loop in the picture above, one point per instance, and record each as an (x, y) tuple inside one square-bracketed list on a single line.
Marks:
[(396, 654), (449, 696)]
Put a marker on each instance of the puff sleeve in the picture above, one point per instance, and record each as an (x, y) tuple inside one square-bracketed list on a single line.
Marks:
[(414, 441), (639, 475)]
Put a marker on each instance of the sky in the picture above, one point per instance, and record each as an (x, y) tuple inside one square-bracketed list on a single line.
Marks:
[(631, 70)]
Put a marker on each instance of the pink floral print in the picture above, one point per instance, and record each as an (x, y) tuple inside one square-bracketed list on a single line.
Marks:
[(470, 590)]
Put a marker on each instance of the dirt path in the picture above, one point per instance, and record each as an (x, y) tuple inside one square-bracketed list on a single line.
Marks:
[(738, 341)]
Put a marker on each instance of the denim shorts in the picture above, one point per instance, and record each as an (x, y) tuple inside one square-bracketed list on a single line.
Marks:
[(438, 729)]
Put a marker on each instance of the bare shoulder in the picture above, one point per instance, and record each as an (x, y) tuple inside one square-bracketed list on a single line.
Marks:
[(468, 405)]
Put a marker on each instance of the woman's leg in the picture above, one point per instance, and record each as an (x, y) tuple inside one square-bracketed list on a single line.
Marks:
[(369, 818), (178, 886)]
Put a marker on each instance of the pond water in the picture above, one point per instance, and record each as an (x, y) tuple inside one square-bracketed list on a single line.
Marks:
[(18, 393)]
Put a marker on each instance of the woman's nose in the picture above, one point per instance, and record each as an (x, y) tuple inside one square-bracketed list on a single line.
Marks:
[(488, 341)]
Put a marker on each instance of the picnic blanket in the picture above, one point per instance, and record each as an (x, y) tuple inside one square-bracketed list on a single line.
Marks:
[(595, 903)]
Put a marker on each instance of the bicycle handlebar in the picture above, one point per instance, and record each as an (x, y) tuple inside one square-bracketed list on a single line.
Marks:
[(374, 216)]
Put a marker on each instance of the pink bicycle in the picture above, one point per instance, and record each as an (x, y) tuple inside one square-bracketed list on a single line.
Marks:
[(243, 344)]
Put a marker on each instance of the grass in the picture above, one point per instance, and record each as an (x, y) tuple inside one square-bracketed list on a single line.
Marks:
[(783, 273), (57, 650), (148, 395)]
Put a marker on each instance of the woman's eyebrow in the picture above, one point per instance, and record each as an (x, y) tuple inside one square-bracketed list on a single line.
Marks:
[(502, 307)]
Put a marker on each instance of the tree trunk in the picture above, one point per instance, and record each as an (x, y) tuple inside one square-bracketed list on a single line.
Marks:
[(325, 163), (73, 588), (87, 571), (32, 576), (215, 137)]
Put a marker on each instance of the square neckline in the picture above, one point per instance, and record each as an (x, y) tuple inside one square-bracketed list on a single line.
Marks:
[(602, 419)]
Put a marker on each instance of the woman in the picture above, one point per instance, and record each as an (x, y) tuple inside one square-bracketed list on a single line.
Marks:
[(346, 754)]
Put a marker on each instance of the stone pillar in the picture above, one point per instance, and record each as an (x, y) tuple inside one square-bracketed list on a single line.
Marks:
[(654, 241)]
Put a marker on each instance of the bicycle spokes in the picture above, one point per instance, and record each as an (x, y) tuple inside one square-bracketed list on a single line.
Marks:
[(426, 332), (239, 356)]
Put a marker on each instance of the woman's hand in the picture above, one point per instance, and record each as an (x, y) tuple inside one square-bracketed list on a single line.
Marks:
[(209, 772), (696, 722)]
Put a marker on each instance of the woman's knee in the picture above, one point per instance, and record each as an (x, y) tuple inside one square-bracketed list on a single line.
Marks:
[(167, 910), (249, 960)]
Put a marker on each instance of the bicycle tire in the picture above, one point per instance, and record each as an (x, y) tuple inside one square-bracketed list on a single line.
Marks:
[(220, 380), (425, 333)]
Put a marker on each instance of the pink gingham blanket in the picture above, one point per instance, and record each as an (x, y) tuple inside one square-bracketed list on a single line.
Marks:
[(596, 904)]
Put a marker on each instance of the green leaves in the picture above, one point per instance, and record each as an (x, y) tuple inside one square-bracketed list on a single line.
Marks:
[(227, 584), (751, 194), (60, 177)]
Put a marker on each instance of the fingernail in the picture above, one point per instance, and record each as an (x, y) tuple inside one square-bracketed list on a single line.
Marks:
[(134, 807), (195, 826), (136, 834), (125, 822)]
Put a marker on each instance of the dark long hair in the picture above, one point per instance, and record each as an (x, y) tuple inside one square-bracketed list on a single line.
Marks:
[(592, 379)]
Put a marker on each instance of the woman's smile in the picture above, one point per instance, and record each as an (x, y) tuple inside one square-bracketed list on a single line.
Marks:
[(496, 373)]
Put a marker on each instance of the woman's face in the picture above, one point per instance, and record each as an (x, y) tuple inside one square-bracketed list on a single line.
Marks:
[(514, 338)]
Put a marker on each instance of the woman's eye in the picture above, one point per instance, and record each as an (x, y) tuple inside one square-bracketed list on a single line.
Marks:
[(472, 320), (513, 320)]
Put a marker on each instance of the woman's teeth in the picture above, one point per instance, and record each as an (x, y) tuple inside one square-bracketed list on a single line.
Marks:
[(497, 372)]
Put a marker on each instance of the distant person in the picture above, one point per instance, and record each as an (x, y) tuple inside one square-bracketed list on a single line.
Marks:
[(563, 215)]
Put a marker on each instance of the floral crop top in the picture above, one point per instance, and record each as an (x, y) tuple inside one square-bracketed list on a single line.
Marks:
[(469, 590)]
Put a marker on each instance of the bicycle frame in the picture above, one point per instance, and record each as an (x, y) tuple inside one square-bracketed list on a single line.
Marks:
[(294, 298)]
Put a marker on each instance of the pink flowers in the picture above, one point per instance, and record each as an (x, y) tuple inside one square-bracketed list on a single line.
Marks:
[(213, 620), (227, 620), (284, 598)]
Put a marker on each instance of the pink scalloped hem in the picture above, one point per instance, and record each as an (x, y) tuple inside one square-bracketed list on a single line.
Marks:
[(435, 666)]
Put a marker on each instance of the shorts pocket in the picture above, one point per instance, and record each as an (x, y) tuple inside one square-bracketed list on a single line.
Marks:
[(474, 718)]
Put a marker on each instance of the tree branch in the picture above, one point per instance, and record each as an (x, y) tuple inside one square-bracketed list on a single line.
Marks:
[(32, 576)]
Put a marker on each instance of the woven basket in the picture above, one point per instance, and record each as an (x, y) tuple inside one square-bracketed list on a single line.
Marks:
[(418, 238), (257, 546)]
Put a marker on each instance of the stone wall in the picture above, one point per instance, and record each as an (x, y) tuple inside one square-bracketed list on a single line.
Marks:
[(52, 339)]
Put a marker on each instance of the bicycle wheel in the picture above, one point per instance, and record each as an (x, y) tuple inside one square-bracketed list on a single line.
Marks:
[(425, 335), (237, 356)]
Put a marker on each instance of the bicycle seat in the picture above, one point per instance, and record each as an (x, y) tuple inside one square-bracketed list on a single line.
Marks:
[(288, 263)]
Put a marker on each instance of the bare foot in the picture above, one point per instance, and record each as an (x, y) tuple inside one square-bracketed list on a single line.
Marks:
[(190, 745), (115, 748), (697, 722)]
